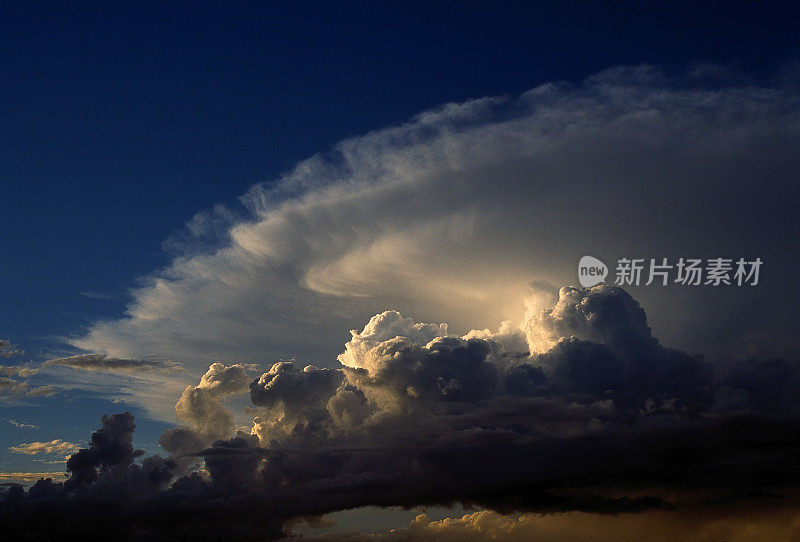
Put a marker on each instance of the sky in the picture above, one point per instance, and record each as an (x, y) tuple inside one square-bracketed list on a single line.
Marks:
[(201, 201)]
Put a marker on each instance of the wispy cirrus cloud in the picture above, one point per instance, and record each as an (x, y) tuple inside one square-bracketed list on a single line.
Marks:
[(104, 363), (22, 425)]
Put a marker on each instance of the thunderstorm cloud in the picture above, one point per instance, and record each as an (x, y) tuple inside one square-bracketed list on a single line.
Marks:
[(467, 377), (453, 215), (607, 420)]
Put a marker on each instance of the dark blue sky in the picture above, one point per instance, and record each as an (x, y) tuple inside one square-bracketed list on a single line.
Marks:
[(120, 122)]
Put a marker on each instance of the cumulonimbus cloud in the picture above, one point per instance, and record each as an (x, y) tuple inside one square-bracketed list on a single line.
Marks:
[(454, 214), (607, 420), (466, 215)]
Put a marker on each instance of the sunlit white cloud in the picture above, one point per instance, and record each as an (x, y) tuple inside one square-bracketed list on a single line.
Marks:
[(454, 215), (56, 446), (17, 477)]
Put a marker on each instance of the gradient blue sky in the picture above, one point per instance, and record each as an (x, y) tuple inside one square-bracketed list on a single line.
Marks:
[(120, 122)]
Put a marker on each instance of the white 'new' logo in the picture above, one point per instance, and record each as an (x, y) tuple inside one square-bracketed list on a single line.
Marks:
[(591, 271)]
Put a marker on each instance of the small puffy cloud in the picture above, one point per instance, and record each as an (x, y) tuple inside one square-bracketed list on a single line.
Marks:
[(199, 409), (446, 368), (510, 337), (7, 350), (108, 463), (102, 362), (43, 391), (598, 339), (56, 446), (11, 389), (16, 370)]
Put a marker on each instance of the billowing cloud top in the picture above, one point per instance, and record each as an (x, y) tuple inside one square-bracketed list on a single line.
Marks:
[(453, 215), (384, 326)]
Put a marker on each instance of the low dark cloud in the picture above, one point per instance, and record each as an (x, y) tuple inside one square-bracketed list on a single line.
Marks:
[(737, 525), (203, 417), (604, 421)]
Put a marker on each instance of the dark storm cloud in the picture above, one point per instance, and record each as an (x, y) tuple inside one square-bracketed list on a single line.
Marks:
[(606, 421), (603, 344), (295, 389), (200, 411), (104, 483)]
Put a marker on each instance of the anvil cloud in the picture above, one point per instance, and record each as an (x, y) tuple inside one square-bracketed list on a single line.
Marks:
[(453, 215), (468, 376)]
